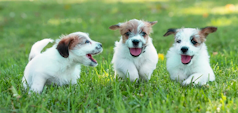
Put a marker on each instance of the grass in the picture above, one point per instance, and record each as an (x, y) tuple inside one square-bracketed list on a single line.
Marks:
[(24, 22)]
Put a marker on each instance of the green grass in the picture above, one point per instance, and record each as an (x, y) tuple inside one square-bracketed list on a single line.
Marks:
[(23, 23)]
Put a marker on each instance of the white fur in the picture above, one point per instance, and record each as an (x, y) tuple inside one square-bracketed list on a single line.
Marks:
[(127, 66), (198, 70), (50, 67), (37, 47)]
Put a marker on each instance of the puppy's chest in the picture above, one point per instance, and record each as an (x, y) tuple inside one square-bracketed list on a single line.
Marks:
[(65, 77), (186, 70), (139, 62)]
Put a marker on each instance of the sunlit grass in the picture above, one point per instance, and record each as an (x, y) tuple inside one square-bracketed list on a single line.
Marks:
[(221, 10), (64, 21), (223, 21), (82, 1), (133, 1)]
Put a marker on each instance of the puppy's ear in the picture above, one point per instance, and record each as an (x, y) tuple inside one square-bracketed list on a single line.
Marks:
[(63, 47), (153, 23), (170, 31), (207, 30), (114, 27)]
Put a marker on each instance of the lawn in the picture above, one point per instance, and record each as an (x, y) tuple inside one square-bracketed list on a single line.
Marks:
[(24, 22)]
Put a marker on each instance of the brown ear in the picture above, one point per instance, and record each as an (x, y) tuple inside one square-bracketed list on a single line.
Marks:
[(170, 31), (114, 27), (153, 23), (207, 30), (63, 47)]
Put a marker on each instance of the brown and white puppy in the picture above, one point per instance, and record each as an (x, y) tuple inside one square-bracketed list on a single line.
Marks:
[(188, 59), (135, 56), (59, 64)]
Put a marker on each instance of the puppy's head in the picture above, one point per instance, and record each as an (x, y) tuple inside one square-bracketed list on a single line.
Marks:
[(188, 41), (135, 34), (80, 48)]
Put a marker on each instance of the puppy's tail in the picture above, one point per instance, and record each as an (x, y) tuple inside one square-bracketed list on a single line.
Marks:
[(37, 47)]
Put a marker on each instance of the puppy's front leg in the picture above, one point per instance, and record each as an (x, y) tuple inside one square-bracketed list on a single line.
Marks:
[(177, 75), (196, 78), (125, 68), (146, 70), (38, 83)]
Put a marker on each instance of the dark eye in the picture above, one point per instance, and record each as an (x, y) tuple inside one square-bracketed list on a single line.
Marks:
[(87, 41), (193, 42), (143, 33), (178, 41), (127, 33)]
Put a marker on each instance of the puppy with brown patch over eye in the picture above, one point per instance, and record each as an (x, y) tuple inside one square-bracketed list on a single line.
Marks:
[(135, 56), (188, 59), (59, 64)]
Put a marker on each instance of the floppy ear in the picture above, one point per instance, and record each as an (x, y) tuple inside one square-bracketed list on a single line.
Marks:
[(153, 23), (207, 30), (170, 31), (63, 47), (114, 27)]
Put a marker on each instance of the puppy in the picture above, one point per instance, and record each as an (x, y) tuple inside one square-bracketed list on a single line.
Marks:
[(59, 64), (188, 59), (135, 56)]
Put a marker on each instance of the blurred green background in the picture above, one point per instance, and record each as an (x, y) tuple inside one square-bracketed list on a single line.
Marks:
[(24, 22)]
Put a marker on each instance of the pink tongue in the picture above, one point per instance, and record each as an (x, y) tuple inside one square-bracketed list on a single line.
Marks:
[(135, 51), (185, 59)]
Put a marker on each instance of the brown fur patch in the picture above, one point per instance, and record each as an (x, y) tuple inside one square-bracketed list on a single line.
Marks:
[(203, 33), (114, 27), (199, 38), (67, 43), (153, 23), (199, 41), (147, 28), (171, 31), (202, 37), (132, 26), (207, 30)]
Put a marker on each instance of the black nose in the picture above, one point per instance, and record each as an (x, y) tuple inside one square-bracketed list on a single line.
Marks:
[(184, 49), (135, 42), (99, 46)]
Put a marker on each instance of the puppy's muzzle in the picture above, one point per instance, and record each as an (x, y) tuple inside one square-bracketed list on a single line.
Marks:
[(184, 49), (135, 42)]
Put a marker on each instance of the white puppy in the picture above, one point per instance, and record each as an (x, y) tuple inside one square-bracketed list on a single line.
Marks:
[(188, 59), (135, 56), (59, 64)]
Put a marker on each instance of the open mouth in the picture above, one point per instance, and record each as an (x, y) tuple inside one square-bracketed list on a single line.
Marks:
[(186, 59), (91, 58), (135, 51)]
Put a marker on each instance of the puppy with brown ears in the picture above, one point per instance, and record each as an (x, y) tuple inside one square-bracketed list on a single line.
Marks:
[(59, 64), (135, 56), (188, 59)]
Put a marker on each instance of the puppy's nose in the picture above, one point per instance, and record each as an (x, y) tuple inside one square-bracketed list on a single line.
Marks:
[(99, 46), (135, 42), (184, 49)]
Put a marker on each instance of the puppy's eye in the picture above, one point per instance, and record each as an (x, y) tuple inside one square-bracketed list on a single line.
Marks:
[(143, 33), (127, 33), (194, 42), (178, 41), (87, 41)]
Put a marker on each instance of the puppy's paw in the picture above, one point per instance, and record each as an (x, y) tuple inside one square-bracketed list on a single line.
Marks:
[(186, 82), (196, 82)]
